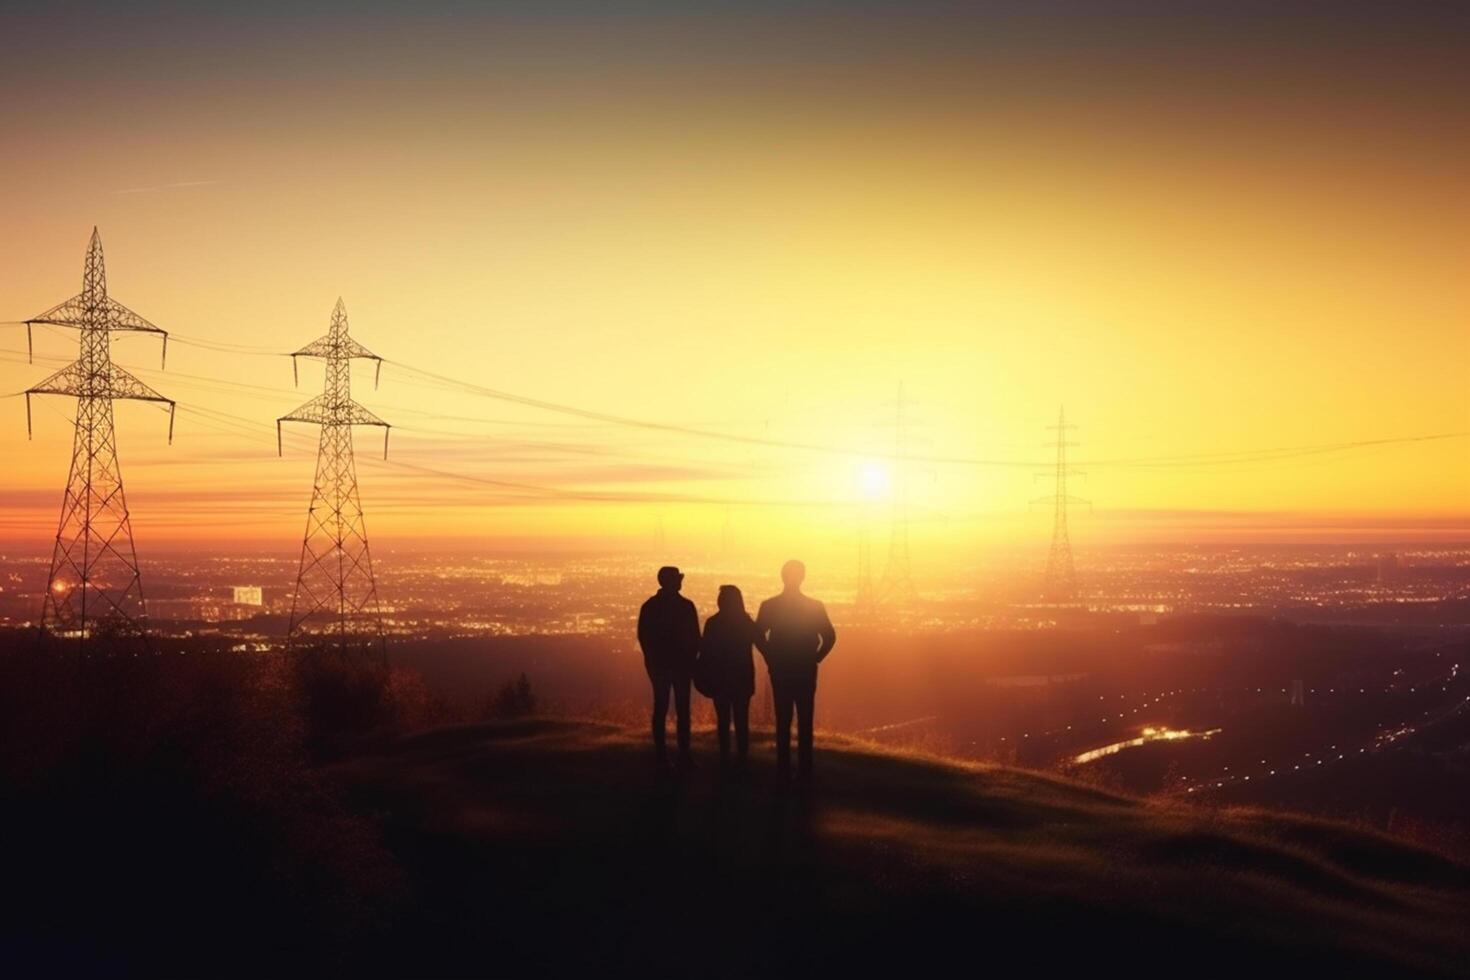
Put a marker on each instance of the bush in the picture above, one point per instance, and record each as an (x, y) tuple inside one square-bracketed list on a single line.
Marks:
[(162, 816), (515, 699), (345, 702)]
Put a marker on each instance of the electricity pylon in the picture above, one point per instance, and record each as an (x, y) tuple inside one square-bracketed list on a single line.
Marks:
[(1061, 575), (865, 599), (335, 581), (94, 591), (897, 584), (660, 535)]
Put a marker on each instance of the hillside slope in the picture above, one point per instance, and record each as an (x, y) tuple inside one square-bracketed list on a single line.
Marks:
[(552, 847)]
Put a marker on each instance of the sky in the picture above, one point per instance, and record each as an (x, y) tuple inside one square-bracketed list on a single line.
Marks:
[(677, 262)]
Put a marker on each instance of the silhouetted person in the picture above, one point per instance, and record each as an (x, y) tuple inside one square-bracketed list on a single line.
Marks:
[(794, 635), (668, 633), (727, 669)]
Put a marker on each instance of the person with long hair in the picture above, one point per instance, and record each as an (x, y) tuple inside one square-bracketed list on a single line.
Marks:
[(726, 670)]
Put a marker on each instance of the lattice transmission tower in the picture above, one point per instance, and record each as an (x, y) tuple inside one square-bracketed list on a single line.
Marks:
[(94, 593), (897, 584), (1060, 584), (865, 597), (336, 599)]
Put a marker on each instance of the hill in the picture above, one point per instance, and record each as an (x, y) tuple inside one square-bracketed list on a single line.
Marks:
[(552, 847)]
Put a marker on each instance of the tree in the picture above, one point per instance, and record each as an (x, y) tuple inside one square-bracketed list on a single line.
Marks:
[(515, 699)]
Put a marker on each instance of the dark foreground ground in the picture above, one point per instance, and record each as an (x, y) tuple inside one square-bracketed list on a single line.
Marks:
[(553, 848)]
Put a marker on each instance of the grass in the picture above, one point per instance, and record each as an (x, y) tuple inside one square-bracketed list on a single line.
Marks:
[(553, 847)]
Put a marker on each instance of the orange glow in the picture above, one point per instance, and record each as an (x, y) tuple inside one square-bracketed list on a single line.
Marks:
[(1148, 735), (1195, 270)]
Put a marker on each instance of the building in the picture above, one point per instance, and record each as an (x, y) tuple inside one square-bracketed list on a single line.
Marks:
[(248, 595)]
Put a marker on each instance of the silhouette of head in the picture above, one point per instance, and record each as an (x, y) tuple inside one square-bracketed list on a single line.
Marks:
[(669, 577), (793, 573), (730, 600)]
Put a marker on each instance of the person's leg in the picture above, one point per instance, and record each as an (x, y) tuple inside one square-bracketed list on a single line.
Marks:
[(806, 700), (722, 727), (660, 712), (681, 710), (784, 706), (741, 710)]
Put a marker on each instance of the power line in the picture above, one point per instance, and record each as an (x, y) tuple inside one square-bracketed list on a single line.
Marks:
[(1192, 459), (257, 431), (1158, 462), (1232, 457), (683, 430)]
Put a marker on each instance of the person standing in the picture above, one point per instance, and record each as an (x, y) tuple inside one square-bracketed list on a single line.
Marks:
[(726, 670), (668, 633), (794, 635)]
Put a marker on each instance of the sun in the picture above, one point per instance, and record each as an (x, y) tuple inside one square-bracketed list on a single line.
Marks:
[(873, 480)]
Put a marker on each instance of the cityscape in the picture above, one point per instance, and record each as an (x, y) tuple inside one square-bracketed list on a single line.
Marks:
[(436, 596), (1295, 676)]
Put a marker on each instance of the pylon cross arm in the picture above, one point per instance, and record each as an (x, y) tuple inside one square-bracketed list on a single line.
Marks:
[(70, 380), (73, 313), (119, 317), (116, 383), (122, 384), (319, 412), (314, 411), (327, 348), (355, 414)]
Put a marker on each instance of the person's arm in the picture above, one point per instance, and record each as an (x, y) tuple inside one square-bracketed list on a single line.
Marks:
[(644, 629), (691, 629), (762, 628), (827, 632)]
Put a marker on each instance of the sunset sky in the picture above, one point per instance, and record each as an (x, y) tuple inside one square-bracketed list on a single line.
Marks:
[(1210, 235)]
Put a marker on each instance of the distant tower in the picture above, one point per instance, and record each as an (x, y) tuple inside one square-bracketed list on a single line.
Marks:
[(897, 584), (95, 592), (660, 535), (335, 583), (865, 601), (1061, 575)]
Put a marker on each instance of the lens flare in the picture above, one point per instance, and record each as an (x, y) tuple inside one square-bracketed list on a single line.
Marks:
[(873, 481)]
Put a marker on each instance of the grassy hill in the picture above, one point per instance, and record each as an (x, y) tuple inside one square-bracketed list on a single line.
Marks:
[(554, 847)]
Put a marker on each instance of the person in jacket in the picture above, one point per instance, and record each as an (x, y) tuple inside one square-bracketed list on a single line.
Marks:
[(668, 633), (727, 670), (794, 634)]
